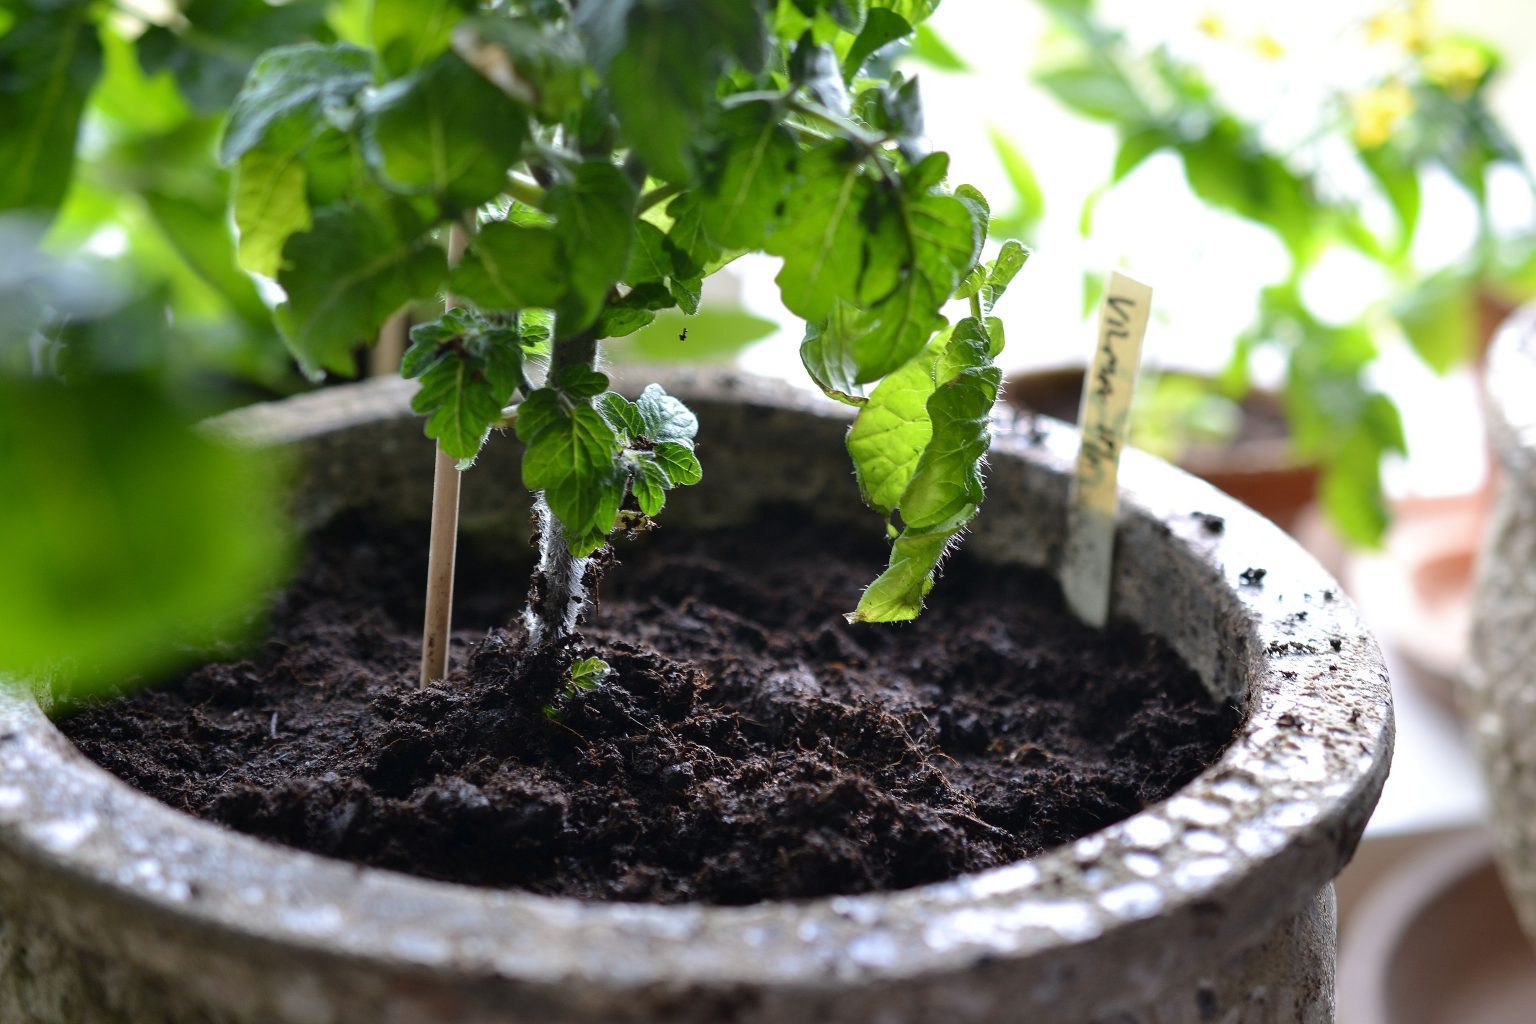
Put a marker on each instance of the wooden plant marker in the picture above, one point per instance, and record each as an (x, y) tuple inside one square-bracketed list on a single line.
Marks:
[(442, 548), (1104, 417)]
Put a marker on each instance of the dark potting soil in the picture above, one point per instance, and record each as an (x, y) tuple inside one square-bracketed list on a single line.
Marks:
[(748, 744)]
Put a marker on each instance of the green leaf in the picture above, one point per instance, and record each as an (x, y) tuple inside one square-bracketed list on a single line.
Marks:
[(50, 59), (944, 489), (1028, 204), (891, 432), (687, 233), (649, 484), (1096, 91), (666, 419), (446, 131), (1135, 148), (897, 594), (882, 27), (469, 368), (681, 465), (1399, 180), (570, 456), (581, 382), (508, 266), (587, 673), (539, 63), (344, 277), (661, 80), (822, 237), (271, 204), (1439, 316), (216, 42), (622, 416), (650, 261), (295, 92), (751, 177), (930, 48), (129, 539), (408, 34), (1010, 260)]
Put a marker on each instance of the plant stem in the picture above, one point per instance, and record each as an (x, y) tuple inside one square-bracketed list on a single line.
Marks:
[(444, 540), (557, 593)]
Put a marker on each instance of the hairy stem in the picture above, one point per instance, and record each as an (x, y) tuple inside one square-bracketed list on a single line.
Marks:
[(557, 593)]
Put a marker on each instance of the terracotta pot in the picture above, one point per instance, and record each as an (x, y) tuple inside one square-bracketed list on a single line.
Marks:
[(1257, 468), (1499, 684), (1214, 904), (1436, 942)]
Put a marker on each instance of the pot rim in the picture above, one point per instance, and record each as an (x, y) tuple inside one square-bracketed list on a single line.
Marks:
[(1287, 800)]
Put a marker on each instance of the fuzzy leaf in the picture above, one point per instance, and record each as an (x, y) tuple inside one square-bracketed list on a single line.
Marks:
[(666, 419), (570, 456), (469, 369), (410, 33), (445, 131), (891, 432)]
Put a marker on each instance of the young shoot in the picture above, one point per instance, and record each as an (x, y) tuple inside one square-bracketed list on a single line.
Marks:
[(611, 156)]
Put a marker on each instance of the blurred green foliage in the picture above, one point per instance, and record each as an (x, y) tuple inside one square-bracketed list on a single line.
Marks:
[(1428, 111)]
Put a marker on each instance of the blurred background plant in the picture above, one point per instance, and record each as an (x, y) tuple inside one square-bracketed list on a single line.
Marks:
[(1335, 130)]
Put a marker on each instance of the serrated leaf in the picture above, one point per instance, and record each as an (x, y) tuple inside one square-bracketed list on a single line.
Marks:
[(581, 382), (587, 673), (622, 416), (344, 277), (469, 369), (945, 488), (1010, 260), (687, 292), (688, 237), (570, 456), (665, 418), (897, 594), (650, 484), (891, 431), (681, 465), (444, 131), (50, 58)]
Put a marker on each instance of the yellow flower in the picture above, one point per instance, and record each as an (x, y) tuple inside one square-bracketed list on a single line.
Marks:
[(1377, 112), (1457, 66), (1268, 46), (1212, 25), (1406, 28)]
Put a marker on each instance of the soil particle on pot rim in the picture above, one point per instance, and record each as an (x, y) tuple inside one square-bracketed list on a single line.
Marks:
[(747, 744)]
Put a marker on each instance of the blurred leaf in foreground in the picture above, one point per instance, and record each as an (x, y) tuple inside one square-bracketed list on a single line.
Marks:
[(129, 538)]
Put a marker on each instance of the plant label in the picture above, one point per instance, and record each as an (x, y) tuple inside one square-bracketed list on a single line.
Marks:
[(1103, 418)]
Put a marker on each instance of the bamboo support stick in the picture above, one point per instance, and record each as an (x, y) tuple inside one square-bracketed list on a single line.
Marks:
[(443, 545), (384, 358)]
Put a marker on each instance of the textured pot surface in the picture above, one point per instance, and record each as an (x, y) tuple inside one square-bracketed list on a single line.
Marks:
[(1212, 905), (1499, 684)]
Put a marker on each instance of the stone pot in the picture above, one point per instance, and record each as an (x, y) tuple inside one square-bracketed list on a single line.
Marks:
[(1213, 905), (1499, 683)]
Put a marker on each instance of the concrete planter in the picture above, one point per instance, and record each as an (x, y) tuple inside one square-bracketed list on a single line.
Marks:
[(1215, 905), (1499, 684)]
